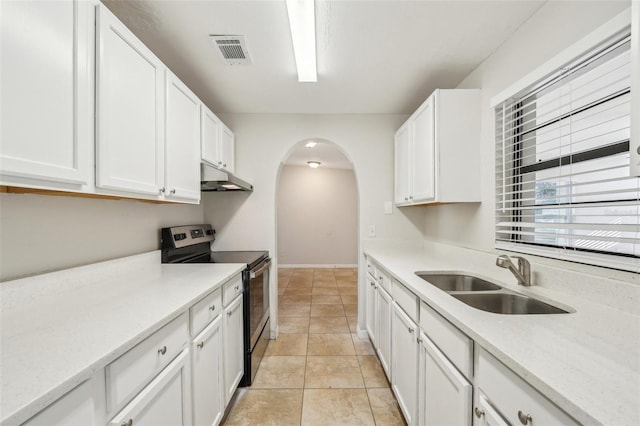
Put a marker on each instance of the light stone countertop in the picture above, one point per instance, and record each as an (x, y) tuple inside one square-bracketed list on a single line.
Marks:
[(58, 329), (587, 362)]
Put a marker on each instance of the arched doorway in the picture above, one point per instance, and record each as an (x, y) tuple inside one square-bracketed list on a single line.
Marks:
[(317, 241)]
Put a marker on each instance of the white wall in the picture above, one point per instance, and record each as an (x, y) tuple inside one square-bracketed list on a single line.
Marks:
[(41, 233), (317, 216), (247, 221), (555, 26)]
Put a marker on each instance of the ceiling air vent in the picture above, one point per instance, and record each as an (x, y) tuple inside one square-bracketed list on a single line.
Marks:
[(233, 49)]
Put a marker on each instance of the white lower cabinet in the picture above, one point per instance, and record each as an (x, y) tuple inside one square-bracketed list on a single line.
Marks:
[(404, 362), (165, 401), (383, 339), (444, 395), (208, 390), (514, 399), (485, 414), (233, 347), (370, 295), (82, 406)]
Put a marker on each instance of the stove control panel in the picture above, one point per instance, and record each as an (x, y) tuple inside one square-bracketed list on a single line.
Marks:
[(183, 236)]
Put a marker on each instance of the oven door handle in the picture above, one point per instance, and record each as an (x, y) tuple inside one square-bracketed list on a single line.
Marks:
[(261, 269)]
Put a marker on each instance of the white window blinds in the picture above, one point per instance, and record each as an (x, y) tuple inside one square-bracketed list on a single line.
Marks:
[(563, 186)]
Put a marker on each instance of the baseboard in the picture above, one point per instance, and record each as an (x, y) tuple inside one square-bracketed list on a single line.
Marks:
[(362, 333), (328, 266)]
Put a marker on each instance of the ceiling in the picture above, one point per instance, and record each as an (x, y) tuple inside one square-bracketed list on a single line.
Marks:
[(374, 56), (326, 152)]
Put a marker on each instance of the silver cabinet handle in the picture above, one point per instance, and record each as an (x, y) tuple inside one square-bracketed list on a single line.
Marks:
[(224, 165), (219, 163), (212, 308), (372, 284), (525, 419), (237, 287), (411, 197), (229, 313), (406, 198), (162, 191), (419, 340), (411, 330), (479, 412), (127, 423), (162, 350), (200, 345), (173, 191)]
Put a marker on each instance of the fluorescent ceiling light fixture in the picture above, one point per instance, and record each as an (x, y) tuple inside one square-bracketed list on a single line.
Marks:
[(302, 22), (311, 144), (313, 164)]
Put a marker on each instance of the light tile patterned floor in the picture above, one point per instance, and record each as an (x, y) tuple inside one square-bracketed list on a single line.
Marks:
[(318, 372)]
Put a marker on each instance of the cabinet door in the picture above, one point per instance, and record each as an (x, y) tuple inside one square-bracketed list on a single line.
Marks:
[(228, 149), (233, 348), (182, 173), (165, 401), (383, 305), (370, 294), (445, 396), (46, 102), (486, 415), (423, 161), (79, 407), (402, 161), (404, 362), (211, 132), (130, 103), (208, 392)]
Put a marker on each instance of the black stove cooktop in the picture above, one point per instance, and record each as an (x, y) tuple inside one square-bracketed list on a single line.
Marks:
[(192, 244)]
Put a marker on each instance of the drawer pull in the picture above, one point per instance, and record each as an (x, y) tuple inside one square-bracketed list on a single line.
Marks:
[(411, 330), (372, 284), (212, 308), (173, 191), (525, 419), (200, 345), (127, 423), (479, 412), (162, 350), (237, 288)]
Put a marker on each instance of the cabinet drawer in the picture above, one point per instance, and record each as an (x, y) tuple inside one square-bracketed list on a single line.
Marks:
[(371, 268), (384, 280), (232, 289), (133, 370), (452, 342), (205, 310), (407, 300), (509, 394)]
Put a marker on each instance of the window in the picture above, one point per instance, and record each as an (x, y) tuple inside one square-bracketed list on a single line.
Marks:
[(563, 184)]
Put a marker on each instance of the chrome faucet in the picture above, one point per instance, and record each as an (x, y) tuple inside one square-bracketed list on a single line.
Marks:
[(522, 272)]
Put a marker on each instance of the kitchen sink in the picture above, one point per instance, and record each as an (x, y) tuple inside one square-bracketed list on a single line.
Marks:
[(487, 296), (507, 303), (457, 282)]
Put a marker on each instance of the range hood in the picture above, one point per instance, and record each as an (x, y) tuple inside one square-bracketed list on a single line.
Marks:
[(216, 180)]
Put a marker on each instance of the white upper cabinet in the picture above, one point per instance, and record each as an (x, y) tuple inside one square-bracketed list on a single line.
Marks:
[(634, 146), (130, 116), (437, 150), (217, 143), (423, 154), (210, 137), (182, 131), (402, 151), (228, 147), (46, 100)]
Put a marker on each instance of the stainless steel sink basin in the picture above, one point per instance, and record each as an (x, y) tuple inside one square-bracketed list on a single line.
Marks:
[(457, 282), (507, 303)]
